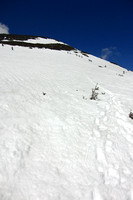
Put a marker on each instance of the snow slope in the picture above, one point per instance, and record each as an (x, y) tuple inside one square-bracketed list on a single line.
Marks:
[(56, 143)]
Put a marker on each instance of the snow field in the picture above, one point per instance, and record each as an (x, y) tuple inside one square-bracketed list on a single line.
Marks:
[(61, 145)]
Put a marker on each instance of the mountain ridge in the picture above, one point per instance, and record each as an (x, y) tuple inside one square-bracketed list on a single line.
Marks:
[(19, 40)]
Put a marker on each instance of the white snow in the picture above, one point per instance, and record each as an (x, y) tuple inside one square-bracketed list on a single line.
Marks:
[(62, 145)]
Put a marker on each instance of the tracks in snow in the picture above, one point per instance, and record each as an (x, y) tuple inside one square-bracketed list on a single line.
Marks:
[(113, 145)]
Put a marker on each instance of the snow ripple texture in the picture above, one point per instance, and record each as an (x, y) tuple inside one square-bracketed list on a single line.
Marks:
[(56, 143)]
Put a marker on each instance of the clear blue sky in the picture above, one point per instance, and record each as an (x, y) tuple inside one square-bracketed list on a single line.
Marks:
[(102, 28)]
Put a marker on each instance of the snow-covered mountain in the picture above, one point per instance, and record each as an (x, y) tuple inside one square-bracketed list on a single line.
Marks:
[(55, 142)]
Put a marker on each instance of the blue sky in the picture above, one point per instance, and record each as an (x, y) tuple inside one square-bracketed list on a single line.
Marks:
[(103, 28)]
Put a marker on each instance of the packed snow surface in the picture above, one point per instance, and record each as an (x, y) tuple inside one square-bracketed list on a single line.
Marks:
[(56, 143)]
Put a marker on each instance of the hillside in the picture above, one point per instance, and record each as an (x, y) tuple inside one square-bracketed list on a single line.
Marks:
[(56, 143)]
